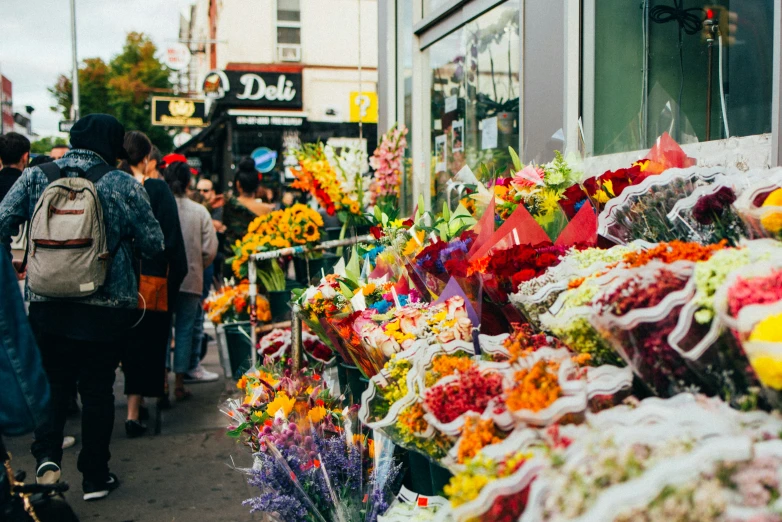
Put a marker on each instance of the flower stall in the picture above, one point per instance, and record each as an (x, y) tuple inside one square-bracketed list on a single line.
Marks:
[(572, 347)]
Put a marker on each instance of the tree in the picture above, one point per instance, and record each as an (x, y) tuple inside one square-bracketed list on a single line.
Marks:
[(122, 88), (44, 145)]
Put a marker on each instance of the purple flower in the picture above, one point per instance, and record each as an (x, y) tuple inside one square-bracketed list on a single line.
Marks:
[(713, 205)]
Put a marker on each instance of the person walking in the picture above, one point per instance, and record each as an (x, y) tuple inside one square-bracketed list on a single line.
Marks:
[(82, 289), (243, 207), (14, 155), (201, 248), (144, 352)]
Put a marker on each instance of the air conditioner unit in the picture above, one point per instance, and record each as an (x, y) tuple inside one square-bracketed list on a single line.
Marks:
[(289, 53)]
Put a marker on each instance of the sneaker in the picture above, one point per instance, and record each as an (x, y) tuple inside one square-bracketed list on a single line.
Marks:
[(68, 442), (199, 374), (48, 473), (97, 490), (134, 428)]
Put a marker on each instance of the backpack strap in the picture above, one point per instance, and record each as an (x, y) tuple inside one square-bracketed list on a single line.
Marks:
[(51, 171), (96, 172)]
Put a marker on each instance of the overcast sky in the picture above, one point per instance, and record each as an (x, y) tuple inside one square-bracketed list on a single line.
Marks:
[(35, 42)]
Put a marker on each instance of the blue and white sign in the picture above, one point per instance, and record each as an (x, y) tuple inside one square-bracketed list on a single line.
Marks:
[(265, 159)]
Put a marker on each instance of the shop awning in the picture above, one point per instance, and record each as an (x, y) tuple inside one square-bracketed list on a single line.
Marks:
[(202, 136)]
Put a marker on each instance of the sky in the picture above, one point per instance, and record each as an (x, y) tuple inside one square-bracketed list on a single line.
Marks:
[(35, 42)]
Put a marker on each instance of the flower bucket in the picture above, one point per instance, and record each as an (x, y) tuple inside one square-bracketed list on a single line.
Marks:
[(279, 302), (440, 477), (237, 339), (317, 266), (419, 473)]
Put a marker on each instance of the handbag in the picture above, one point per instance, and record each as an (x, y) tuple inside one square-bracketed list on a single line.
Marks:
[(153, 293)]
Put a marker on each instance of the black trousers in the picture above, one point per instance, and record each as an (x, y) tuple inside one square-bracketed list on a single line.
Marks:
[(89, 367)]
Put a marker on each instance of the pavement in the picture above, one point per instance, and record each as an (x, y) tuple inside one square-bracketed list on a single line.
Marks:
[(183, 474)]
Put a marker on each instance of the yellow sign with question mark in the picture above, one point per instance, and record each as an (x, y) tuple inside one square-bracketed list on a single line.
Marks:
[(363, 107)]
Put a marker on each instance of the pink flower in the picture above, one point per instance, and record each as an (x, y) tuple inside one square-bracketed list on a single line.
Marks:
[(529, 176)]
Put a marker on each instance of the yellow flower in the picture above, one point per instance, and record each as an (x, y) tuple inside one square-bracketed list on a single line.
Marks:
[(317, 414), (608, 185), (774, 199), (768, 370), (601, 196), (242, 383), (368, 289), (355, 208), (281, 402), (768, 330), (773, 220)]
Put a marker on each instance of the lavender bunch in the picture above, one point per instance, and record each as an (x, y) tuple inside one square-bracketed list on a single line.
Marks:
[(278, 494)]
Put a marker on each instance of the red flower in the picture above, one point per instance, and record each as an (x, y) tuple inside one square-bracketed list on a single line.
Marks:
[(376, 232)]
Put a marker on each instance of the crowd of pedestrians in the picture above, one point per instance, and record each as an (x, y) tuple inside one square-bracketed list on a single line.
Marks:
[(118, 245)]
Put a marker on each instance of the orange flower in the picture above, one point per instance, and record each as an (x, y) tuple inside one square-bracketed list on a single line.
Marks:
[(476, 435), (536, 388)]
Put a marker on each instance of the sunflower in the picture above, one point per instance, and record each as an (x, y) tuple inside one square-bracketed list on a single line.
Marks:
[(355, 208), (311, 233)]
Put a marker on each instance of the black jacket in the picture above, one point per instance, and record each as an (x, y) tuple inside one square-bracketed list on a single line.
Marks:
[(8, 177), (173, 257)]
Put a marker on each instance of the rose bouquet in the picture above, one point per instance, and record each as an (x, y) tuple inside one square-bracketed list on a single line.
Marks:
[(641, 212), (707, 215), (599, 190), (230, 304)]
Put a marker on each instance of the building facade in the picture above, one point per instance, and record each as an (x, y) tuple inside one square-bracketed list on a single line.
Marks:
[(276, 73), (599, 80)]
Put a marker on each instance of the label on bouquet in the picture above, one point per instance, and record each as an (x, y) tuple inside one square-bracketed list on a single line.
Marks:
[(422, 501), (358, 301)]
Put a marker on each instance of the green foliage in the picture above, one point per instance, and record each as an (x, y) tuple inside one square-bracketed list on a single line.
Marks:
[(122, 88), (44, 145)]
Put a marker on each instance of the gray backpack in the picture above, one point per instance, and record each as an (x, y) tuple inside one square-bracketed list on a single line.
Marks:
[(67, 252)]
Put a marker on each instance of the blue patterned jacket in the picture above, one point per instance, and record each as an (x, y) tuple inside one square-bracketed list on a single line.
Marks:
[(126, 213)]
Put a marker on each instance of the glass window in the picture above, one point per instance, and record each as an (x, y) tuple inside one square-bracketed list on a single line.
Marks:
[(656, 67), (474, 98), (288, 35), (404, 58), (288, 11), (431, 6)]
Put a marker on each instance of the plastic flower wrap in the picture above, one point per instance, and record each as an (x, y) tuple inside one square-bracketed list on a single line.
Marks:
[(707, 215), (569, 320), (277, 343), (439, 260), (384, 335), (320, 178), (230, 304), (641, 212), (636, 314), (351, 166), (760, 206), (387, 162), (685, 459)]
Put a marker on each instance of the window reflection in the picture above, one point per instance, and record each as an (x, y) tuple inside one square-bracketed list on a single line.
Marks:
[(474, 98), (650, 71)]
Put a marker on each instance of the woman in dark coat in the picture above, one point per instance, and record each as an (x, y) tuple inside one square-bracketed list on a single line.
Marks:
[(143, 360)]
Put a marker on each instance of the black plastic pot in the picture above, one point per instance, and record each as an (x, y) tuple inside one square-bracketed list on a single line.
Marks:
[(239, 345), (279, 303)]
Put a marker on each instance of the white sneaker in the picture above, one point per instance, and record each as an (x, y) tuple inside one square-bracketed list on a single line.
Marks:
[(200, 374), (68, 442)]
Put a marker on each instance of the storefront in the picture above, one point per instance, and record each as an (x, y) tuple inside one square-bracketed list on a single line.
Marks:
[(261, 107), (596, 80)]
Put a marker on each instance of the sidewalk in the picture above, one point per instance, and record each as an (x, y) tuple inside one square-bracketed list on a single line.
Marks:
[(182, 474)]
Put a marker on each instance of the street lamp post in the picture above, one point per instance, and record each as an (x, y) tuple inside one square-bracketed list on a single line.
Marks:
[(75, 75)]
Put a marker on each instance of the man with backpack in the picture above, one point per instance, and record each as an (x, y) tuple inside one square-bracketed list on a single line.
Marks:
[(86, 217)]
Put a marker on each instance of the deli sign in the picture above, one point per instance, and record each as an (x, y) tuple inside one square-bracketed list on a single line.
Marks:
[(279, 90)]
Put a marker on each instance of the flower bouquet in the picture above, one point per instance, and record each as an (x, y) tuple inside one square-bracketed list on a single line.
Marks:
[(319, 303), (230, 304), (636, 314), (760, 206), (277, 343), (569, 319), (641, 212), (387, 161), (706, 216), (329, 183), (763, 346)]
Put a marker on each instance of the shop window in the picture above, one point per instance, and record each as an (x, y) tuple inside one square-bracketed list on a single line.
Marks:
[(430, 6), (474, 99), (404, 60), (654, 66), (288, 35)]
